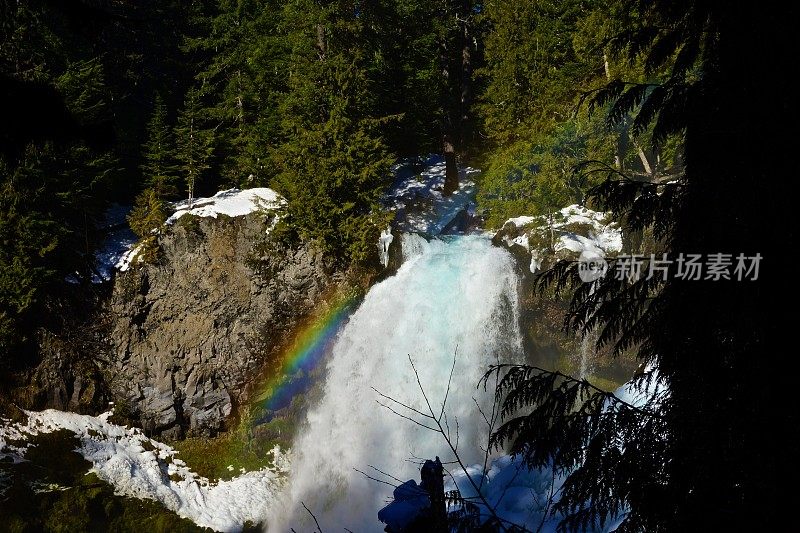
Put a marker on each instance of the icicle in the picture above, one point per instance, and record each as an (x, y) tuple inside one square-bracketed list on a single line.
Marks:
[(384, 241)]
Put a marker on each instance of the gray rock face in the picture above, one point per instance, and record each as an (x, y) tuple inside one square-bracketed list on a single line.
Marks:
[(192, 331)]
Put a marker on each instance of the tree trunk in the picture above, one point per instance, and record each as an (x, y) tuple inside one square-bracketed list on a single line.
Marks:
[(643, 158), (451, 166), (321, 45), (466, 71), (190, 163), (448, 126), (459, 91)]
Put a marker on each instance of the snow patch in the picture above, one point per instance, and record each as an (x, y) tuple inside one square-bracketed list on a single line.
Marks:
[(232, 202), (140, 467), (117, 244), (116, 251)]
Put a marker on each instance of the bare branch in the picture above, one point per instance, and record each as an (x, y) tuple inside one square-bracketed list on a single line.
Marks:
[(374, 478), (385, 474), (485, 419), (442, 424), (382, 395), (421, 388), (449, 381), (312, 516), (453, 447), (407, 417), (457, 435)]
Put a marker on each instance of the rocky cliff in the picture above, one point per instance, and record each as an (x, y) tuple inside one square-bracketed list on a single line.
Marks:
[(190, 331)]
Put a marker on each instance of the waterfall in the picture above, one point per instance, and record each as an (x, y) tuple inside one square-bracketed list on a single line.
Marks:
[(449, 297)]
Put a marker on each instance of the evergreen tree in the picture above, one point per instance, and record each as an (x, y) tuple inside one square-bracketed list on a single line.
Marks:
[(145, 219), (194, 144), (241, 72), (160, 176), (457, 35), (333, 162), (540, 175), (158, 168), (48, 216), (56, 167), (420, 58), (532, 74), (401, 47)]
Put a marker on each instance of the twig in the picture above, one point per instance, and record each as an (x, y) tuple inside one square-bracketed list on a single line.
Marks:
[(443, 427), (382, 395), (374, 478), (385, 474), (485, 419), (549, 501), (312, 516), (449, 381), (407, 417)]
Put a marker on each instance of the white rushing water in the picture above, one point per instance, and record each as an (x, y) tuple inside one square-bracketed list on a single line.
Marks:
[(456, 296)]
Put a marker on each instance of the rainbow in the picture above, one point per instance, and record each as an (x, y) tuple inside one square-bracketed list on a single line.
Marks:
[(311, 340)]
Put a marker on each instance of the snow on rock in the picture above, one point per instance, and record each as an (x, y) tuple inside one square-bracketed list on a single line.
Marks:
[(233, 203), (575, 228), (521, 221), (417, 196), (12, 442), (117, 243), (140, 467), (604, 236), (114, 253), (128, 258), (120, 251)]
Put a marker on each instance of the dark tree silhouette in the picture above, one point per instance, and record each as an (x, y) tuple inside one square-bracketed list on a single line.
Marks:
[(707, 454)]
